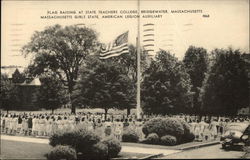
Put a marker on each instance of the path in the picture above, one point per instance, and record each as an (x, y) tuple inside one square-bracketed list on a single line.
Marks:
[(210, 152)]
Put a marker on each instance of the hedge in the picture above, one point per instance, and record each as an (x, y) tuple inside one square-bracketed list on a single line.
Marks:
[(81, 140), (175, 127), (163, 126), (152, 138), (87, 144), (168, 140), (62, 152), (130, 136), (114, 146)]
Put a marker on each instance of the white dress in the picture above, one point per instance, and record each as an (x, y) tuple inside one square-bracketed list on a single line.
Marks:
[(197, 129), (60, 125), (33, 124), (90, 125), (11, 121), (48, 126), (24, 124), (15, 125), (38, 125), (7, 122), (139, 126), (71, 124), (213, 128), (54, 127)]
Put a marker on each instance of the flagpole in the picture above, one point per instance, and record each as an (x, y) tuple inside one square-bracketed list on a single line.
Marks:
[(138, 92)]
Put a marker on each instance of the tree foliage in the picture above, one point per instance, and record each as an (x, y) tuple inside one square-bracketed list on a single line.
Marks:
[(9, 96), (166, 86), (128, 62), (17, 77), (116, 78), (225, 90), (196, 62), (103, 84), (61, 50), (52, 94)]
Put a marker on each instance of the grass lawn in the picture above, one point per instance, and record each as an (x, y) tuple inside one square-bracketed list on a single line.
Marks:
[(23, 150), (27, 150)]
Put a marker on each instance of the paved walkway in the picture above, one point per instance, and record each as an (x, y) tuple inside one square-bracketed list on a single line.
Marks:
[(129, 149), (148, 150)]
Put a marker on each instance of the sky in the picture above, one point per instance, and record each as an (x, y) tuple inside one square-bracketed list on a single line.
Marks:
[(217, 25)]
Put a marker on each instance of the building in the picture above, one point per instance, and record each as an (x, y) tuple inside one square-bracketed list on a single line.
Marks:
[(27, 87), (28, 93)]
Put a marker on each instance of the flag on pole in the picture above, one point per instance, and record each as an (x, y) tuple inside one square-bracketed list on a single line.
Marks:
[(115, 48)]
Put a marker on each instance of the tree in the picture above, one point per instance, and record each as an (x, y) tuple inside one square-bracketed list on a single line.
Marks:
[(17, 77), (226, 88), (51, 94), (166, 86), (128, 62), (61, 50), (103, 84), (9, 96), (196, 62)]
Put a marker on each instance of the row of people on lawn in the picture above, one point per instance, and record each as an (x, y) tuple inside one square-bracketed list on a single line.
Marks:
[(41, 125), (48, 124)]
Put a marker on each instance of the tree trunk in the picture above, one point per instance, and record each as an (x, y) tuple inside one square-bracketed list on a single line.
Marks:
[(52, 110), (73, 108), (106, 112), (128, 112)]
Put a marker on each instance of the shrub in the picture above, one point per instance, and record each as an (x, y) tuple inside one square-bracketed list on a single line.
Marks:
[(168, 140), (98, 151), (186, 126), (81, 140), (130, 136), (55, 139), (163, 126), (152, 138), (169, 126), (114, 146), (188, 136), (62, 152), (149, 126)]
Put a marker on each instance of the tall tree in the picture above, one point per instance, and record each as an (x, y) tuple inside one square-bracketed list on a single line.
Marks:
[(103, 84), (9, 96), (166, 86), (17, 77), (51, 94), (226, 88), (196, 62), (129, 66), (61, 50)]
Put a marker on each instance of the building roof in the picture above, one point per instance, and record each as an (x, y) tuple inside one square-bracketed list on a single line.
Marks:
[(34, 82)]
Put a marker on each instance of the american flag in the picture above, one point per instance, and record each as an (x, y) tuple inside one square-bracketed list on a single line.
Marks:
[(116, 47)]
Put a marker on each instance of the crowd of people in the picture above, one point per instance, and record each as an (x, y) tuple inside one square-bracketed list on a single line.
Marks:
[(47, 124)]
